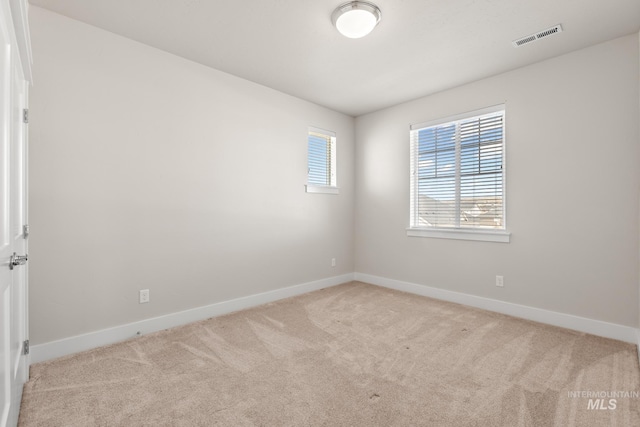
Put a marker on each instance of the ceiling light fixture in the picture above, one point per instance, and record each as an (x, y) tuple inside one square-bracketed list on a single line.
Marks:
[(356, 19)]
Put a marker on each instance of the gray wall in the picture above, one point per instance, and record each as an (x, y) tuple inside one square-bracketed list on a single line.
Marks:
[(572, 151), (150, 171)]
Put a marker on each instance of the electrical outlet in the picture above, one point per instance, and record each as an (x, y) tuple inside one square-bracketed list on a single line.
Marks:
[(500, 281), (333, 262), (144, 296)]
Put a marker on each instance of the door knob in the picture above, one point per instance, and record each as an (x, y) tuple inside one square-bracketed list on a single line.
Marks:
[(17, 260)]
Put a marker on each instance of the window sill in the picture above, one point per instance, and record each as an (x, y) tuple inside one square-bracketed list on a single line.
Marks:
[(322, 189), (500, 236)]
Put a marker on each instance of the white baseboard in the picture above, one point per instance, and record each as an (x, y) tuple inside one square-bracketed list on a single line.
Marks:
[(582, 324), (63, 347)]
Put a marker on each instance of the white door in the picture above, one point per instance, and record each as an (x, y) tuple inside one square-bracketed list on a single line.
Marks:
[(14, 363)]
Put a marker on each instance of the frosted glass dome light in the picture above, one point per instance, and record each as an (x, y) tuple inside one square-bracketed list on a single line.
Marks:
[(356, 19)]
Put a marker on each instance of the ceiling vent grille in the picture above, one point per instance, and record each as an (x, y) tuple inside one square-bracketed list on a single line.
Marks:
[(537, 36)]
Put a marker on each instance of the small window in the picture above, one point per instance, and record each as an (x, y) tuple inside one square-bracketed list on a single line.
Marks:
[(321, 161), (457, 177)]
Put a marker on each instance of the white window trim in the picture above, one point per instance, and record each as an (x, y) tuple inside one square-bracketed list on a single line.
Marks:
[(501, 236), (322, 189), (461, 116), (326, 189)]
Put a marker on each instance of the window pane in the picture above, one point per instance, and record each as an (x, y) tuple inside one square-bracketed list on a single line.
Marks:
[(481, 201), (436, 202), (436, 176), (319, 160)]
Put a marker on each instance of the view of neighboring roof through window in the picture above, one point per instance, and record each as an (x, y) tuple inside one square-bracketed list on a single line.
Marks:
[(457, 177), (321, 161)]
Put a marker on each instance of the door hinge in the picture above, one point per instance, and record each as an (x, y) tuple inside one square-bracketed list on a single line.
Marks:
[(25, 230), (25, 347), (25, 115)]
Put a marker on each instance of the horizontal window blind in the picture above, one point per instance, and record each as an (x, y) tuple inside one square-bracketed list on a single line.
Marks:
[(321, 158), (457, 176)]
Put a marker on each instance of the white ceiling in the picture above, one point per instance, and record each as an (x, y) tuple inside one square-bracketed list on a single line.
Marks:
[(419, 47)]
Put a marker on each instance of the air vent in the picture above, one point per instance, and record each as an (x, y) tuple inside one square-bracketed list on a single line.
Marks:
[(537, 36)]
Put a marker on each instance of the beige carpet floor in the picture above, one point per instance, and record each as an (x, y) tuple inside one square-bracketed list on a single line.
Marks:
[(350, 355)]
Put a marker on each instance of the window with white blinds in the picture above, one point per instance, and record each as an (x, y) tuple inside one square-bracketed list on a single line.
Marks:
[(321, 161), (457, 173)]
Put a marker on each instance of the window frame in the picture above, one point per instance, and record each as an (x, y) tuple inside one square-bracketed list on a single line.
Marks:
[(460, 233), (332, 187)]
